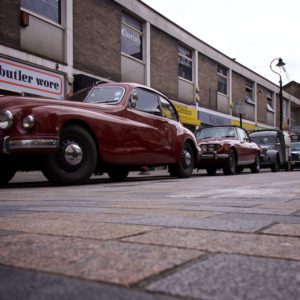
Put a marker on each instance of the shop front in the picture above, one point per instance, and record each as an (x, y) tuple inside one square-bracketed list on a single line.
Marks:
[(188, 116)]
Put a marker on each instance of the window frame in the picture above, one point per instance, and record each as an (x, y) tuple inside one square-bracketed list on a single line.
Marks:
[(270, 98), (249, 89), (138, 31), (183, 57), (43, 16), (224, 78)]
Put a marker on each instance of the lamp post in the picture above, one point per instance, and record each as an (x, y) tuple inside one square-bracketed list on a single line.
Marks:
[(279, 64)]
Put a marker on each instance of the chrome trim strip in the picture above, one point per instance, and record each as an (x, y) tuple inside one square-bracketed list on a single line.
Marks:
[(10, 145)]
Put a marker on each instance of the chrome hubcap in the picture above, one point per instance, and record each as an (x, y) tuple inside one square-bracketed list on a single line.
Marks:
[(73, 154), (187, 158)]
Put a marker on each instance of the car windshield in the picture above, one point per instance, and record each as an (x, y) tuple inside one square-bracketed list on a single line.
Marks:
[(263, 140), (105, 94), (295, 146), (216, 132)]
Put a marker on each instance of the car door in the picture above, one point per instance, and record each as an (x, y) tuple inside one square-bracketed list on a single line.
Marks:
[(151, 135), (247, 151)]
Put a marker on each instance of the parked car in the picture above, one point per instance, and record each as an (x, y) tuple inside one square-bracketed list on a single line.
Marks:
[(227, 148), (113, 128), (276, 148), (295, 152)]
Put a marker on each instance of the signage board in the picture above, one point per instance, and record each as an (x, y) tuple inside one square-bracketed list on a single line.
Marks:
[(20, 77), (187, 115)]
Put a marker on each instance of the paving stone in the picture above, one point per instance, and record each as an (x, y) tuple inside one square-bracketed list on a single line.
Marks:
[(70, 224), (234, 277), (284, 229), (18, 284), (239, 224), (226, 242), (108, 261)]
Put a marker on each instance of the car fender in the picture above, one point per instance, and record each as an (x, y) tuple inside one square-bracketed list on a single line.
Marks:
[(272, 155)]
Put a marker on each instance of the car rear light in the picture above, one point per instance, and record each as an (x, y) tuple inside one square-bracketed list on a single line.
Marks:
[(6, 119)]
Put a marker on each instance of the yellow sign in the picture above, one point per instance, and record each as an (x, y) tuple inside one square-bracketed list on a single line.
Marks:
[(247, 126), (187, 115)]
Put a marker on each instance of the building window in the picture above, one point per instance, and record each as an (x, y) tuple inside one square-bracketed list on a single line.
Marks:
[(222, 80), (132, 37), (249, 92), (270, 101), (50, 9), (185, 63)]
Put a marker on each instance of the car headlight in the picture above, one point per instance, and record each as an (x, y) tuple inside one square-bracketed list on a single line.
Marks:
[(6, 119), (28, 122)]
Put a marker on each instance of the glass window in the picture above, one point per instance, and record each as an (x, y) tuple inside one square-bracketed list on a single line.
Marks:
[(222, 80), (107, 95), (249, 92), (242, 134), (147, 101), (168, 109), (132, 37), (47, 8), (185, 63), (270, 101)]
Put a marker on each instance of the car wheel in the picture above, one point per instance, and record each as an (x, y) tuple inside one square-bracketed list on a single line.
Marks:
[(255, 168), (118, 173), (276, 166), (211, 171), (230, 165), (6, 173), (75, 160), (239, 170), (185, 166)]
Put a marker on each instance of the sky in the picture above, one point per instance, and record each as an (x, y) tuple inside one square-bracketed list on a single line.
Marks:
[(254, 32)]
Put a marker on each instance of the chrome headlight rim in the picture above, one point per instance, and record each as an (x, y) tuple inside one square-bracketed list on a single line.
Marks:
[(28, 122), (6, 119)]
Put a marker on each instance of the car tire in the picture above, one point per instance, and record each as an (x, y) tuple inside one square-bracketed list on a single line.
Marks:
[(6, 173), (255, 167), (118, 173), (75, 160), (231, 164), (211, 171), (185, 166), (239, 170), (276, 166)]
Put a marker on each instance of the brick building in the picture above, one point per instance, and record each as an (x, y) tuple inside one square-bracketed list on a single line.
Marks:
[(51, 48)]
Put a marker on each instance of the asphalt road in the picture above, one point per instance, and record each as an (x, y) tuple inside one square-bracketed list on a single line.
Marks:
[(152, 237)]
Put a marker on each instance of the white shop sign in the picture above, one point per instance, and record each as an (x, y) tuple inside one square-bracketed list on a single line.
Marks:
[(24, 78)]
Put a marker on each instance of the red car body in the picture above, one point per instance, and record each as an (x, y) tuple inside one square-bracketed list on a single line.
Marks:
[(228, 148), (113, 127)]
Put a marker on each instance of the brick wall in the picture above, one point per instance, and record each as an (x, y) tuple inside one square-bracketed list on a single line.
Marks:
[(164, 63), (208, 82), (97, 44), (10, 23)]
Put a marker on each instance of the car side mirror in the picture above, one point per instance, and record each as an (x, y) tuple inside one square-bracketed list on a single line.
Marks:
[(133, 100)]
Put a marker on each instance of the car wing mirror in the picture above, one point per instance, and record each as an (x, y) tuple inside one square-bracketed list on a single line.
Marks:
[(133, 100)]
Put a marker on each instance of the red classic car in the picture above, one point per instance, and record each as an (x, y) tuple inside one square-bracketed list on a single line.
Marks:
[(228, 148), (112, 127)]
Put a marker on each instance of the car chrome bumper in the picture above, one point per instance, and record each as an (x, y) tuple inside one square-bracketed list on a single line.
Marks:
[(28, 144), (214, 155)]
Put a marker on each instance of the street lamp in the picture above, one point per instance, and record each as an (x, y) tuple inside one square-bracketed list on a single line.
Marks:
[(279, 64)]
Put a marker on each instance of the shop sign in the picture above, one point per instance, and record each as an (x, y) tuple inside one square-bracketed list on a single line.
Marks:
[(214, 120), (247, 126), (187, 115), (20, 77)]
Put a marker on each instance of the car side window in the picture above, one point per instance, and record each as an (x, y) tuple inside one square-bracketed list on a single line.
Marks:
[(242, 134), (147, 101), (168, 110)]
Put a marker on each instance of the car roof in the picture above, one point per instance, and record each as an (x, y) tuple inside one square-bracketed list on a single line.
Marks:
[(264, 133)]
